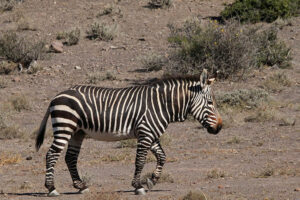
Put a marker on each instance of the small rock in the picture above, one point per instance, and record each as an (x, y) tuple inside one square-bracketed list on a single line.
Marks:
[(287, 122), (29, 158), (297, 189), (57, 46), (77, 67), (142, 39), (220, 186)]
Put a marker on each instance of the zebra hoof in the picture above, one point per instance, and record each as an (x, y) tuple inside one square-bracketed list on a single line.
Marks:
[(53, 193), (149, 183), (140, 191), (85, 190)]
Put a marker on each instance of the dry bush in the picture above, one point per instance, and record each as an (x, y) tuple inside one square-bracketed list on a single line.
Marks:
[(230, 49), (215, 173), (160, 3), (194, 195), (164, 178), (7, 67), (8, 131), (21, 50), (276, 82), (262, 114), (241, 99), (24, 24), (153, 62), (19, 102), (9, 158), (124, 156), (69, 38), (102, 31)]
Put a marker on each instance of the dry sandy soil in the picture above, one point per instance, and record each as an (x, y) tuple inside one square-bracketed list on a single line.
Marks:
[(263, 164)]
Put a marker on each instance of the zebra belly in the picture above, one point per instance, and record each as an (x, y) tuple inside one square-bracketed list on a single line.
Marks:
[(110, 136)]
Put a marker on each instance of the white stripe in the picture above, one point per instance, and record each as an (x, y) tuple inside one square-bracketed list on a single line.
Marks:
[(66, 109), (63, 120)]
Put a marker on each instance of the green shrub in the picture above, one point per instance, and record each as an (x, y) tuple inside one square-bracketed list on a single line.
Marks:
[(102, 32), (230, 49), (261, 10), (69, 38), (20, 50)]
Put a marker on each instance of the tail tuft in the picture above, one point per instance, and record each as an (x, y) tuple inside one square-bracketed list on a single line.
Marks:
[(41, 132)]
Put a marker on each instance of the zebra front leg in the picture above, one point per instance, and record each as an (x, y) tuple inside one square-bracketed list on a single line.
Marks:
[(51, 159), (160, 155), (142, 149), (71, 160)]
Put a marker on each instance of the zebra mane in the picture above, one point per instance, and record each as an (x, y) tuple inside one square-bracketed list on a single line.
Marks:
[(166, 78)]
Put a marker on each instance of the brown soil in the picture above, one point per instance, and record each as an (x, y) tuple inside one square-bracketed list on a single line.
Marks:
[(263, 164)]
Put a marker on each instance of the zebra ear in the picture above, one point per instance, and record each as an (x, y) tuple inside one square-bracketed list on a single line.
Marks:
[(203, 78)]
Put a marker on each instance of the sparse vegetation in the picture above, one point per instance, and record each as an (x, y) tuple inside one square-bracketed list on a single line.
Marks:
[(160, 3), (276, 82), (153, 62), (7, 67), (231, 49), (7, 5), (194, 195), (104, 196), (9, 159), (20, 50), (267, 172), (102, 31), (215, 173), (110, 9), (97, 77), (8, 131), (3, 83), (242, 98), (234, 140), (262, 114), (69, 38), (265, 10)]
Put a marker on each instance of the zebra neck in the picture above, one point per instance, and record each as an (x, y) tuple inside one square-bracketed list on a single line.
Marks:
[(177, 98)]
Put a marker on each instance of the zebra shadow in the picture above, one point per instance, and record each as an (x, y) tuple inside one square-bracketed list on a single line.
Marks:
[(34, 194), (132, 191)]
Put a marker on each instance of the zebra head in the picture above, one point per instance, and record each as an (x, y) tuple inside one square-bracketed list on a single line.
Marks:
[(203, 105)]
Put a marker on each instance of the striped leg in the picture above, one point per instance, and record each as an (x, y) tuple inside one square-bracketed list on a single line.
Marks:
[(143, 146), (51, 158), (71, 160), (160, 155)]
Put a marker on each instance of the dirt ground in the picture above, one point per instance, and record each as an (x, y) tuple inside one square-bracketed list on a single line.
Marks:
[(263, 164)]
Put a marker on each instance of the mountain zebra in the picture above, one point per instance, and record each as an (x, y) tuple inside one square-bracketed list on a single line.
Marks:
[(141, 112)]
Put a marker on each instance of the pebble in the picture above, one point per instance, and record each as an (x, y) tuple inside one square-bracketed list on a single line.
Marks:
[(77, 67)]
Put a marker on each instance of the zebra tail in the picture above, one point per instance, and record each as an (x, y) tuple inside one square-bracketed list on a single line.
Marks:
[(41, 132)]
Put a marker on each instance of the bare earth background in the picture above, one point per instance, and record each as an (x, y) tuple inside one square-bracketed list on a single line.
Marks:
[(217, 165)]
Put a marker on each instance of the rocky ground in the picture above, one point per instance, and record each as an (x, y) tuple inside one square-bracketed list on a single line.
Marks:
[(247, 160)]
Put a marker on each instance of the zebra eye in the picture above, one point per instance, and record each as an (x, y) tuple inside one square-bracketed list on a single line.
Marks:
[(209, 102)]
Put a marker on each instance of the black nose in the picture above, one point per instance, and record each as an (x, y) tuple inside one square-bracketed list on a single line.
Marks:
[(215, 130)]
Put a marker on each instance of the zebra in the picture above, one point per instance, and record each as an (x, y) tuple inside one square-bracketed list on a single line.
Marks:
[(113, 114)]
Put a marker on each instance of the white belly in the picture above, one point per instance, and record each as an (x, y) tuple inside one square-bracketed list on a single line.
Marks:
[(110, 136)]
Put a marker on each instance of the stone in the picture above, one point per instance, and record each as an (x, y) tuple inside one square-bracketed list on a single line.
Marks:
[(77, 67), (57, 46)]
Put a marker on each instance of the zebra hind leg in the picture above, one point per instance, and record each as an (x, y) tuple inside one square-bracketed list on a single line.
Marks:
[(59, 142), (71, 161), (160, 155), (142, 149)]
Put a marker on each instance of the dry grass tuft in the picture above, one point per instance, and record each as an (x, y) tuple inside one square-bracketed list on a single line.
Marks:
[(234, 140), (9, 159), (104, 196), (102, 31), (267, 172), (215, 174), (95, 78), (160, 3), (276, 82), (153, 62), (19, 102), (69, 38), (194, 195)]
